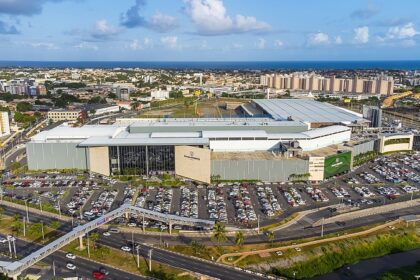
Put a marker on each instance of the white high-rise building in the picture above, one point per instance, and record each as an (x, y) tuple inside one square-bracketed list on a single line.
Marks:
[(4, 124)]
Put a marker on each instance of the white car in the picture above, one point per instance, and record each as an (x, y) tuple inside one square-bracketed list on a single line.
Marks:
[(106, 233), (71, 256), (126, 249), (71, 266)]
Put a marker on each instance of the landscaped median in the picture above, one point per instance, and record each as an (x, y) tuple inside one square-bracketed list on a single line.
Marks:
[(242, 255), (311, 257)]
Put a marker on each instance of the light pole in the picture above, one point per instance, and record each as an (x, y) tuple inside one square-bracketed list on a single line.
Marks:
[(54, 268), (24, 227), (40, 205), (27, 210), (138, 257), (150, 259), (322, 227), (42, 230), (14, 247)]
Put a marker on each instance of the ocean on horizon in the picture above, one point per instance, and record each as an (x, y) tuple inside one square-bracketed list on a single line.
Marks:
[(220, 65)]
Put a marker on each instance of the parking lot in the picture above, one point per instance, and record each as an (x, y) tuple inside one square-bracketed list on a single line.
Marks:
[(386, 180)]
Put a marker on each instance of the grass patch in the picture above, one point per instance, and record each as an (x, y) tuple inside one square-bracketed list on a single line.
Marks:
[(335, 255)]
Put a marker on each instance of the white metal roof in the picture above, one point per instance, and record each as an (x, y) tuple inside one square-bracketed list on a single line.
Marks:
[(104, 141), (63, 132), (306, 110), (310, 134), (243, 133), (175, 135)]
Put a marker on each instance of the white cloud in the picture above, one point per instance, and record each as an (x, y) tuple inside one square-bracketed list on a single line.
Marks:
[(86, 45), (260, 44), (318, 38), (210, 18), (140, 45), (278, 44), (162, 23), (103, 30), (361, 35), (338, 40), (135, 45), (170, 41), (47, 46), (402, 32)]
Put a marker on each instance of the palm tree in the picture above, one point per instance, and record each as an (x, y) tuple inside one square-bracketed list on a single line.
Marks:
[(219, 232), (239, 238), (94, 236)]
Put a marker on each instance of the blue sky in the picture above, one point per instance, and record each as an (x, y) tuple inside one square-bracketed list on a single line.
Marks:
[(209, 30)]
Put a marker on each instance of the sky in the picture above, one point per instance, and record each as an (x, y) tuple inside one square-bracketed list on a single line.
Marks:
[(209, 30)]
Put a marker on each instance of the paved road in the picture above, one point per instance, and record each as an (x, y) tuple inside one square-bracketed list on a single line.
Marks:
[(84, 268), (299, 230), (165, 257)]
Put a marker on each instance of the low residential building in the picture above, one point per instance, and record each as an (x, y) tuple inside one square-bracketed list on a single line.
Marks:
[(66, 115)]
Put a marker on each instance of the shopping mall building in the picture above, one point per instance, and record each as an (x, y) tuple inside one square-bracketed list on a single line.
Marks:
[(277, 140)]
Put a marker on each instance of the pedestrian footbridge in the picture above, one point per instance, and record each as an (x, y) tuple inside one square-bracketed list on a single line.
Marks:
[(14, 269)]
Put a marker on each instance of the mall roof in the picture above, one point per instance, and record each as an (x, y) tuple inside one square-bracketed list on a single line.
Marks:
[(105, 141), (313, 133), (306, 110), (182, 122), (65, 132)]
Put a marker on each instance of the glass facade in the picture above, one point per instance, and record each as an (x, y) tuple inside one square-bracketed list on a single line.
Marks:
[(142, 160)]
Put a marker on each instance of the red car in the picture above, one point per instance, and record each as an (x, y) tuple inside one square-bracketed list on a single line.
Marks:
[(98, 275)]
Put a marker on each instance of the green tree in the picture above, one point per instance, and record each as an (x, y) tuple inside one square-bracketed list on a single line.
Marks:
[(55, 224), (16, 224), (15, 166), (270, 236), (112, 95), (23, 107), (94, 236), (1, 212), (197, 247), (239, 238), (219, 232)]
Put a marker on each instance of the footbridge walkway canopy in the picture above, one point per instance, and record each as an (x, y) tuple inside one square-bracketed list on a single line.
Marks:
[(13, 269)]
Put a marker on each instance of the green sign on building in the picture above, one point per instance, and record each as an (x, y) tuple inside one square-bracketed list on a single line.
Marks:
[(336, 164)]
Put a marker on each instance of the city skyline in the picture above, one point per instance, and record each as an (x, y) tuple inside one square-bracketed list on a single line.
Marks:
[(207, 30)]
